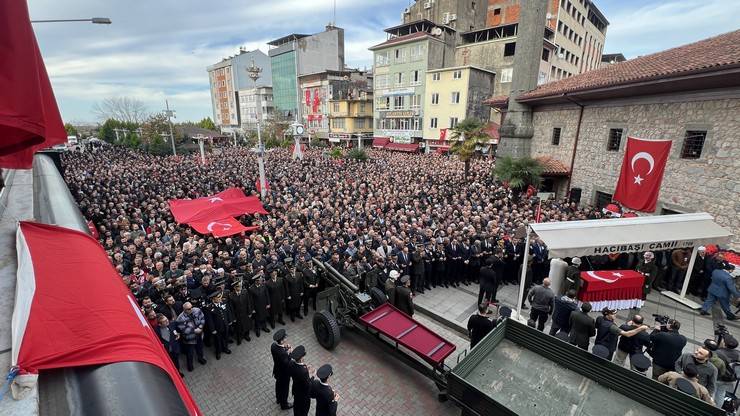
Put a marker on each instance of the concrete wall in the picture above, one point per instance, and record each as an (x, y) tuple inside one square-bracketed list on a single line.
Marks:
[(468, 13), (480, 88), (488, 55), (709, 183), (322, 51)]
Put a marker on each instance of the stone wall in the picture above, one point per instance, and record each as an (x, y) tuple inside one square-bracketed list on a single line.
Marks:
[(709, 183)]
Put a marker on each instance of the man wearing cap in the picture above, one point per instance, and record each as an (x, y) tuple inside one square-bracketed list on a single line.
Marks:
[(390, 286), (723, 285), (280, 351), (293, 289), (240, 304), (608, 333), (573, 275), (310, 284), (260, 303), (218, 318), (326, 398), (276, 289), (403, 297), (649, 269), (302, 379)]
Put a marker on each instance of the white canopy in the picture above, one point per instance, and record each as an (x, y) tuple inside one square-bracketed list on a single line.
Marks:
[(624, 235)]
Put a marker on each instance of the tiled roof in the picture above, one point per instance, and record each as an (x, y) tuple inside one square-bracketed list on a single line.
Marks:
[(706, 55), (492, 130), (552, 166), (498, 101), (399, 39)]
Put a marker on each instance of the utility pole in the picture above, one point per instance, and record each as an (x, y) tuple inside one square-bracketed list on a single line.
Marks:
[(254, 73), (170, 113)]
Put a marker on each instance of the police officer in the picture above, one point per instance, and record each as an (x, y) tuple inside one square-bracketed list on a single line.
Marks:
[(260, 303), (302, 378), (326, 398), (281, 368), (218, 318)]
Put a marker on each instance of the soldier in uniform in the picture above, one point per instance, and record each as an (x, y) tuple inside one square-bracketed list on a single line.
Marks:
[(404, 298), (326, 398), (280, 351), (260, 304), (302, 378), (294, 290), (218, 318), (241, 307), (310, 285), (276, 289)]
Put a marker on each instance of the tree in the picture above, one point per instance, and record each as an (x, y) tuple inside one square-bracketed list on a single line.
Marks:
[(125, 109), (467, 135), (357, 154), (153, 130), (118, 132), (519, 173), (207, 123), (336, 152), (71, 130)]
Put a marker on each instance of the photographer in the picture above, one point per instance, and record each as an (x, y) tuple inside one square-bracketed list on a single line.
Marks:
[(729, 354), (667, 345)]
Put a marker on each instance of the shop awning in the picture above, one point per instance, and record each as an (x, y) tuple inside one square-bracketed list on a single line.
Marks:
[(442, 149), (380, 142), (624, 235), (411, 148)]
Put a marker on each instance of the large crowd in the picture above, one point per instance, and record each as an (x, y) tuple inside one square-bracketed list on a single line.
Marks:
[(394, 215)]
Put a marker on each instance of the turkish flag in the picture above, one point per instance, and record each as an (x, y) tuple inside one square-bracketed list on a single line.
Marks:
[(221, 228), (442, 135), (267, 185), (215, 214), (642, 173), (29, 117)]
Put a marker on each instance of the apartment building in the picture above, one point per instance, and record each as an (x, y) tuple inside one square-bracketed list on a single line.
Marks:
[(352, 119), (255, 105)]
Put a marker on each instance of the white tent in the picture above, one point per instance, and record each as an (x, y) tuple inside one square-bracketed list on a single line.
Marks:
[(627, 235)]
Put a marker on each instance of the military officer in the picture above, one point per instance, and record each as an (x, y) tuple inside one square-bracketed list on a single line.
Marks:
[(260, 304), (302, 378), (326, 398), (241, 307), (276, 289), (218, 318), (281, 350), (294, 290)]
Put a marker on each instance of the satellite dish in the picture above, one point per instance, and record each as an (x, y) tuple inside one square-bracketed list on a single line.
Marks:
[(437, 31)]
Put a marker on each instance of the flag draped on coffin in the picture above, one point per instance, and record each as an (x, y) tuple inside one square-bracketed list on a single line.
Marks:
[(642, 173), (215, 214), (29, 117), (72, 309)]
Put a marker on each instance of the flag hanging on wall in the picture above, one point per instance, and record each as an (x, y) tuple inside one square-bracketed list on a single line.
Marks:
[(642, 173)]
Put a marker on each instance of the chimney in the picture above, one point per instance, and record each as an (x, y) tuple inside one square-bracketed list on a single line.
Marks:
[(517, 129)]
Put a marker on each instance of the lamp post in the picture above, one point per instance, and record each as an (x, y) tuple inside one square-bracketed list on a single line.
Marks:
[(170, 113), (94, 20), (254, 73)]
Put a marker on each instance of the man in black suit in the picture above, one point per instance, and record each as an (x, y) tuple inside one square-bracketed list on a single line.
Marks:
[(302, 379), (326, 398), (487, 282), (280, 351), (170, 338), (260, 304), (479, 325), (403, 296)]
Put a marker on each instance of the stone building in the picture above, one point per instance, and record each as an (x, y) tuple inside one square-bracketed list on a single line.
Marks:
[(689, 94)]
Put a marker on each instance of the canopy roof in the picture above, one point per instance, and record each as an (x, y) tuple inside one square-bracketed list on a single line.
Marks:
[(624, 235)]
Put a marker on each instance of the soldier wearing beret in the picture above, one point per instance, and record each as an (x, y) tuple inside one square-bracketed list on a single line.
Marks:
[(302, 376), (218, 318), (326, 398), (280, 351)]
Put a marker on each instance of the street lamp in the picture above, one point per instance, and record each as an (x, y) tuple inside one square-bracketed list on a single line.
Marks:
[(254, 73), (171, 113), (94, 20)]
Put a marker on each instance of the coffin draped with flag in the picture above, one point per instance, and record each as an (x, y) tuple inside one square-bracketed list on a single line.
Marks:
[(215, 214), (617, 289), (29, 117), (642, 173), (72, 309)]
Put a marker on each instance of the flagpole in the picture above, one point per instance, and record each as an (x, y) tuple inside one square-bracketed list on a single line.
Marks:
[(523, 279)]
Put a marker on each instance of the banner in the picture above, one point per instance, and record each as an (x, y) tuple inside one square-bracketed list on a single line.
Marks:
[(642, 173)]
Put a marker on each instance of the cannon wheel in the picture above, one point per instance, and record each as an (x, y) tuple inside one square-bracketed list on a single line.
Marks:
[(326, 328), (378, 296)]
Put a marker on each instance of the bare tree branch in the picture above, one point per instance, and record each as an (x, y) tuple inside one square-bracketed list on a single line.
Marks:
[(126, 109)]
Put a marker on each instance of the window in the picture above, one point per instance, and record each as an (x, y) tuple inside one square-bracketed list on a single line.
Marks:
[(399, 78), (362, 108), (497, 12), (435, 76), (545, 55), (455, 97), (381, 81), (338, 123), (433, 122), (602, 199), (381, 58), (614, 140), (556, 136), (416, 77), (506, 74), (416, 101), (401, 55), (417, 123), (383, 103), (510, 49), (336, 107), (693, 143), (457, 75), (453, 122), (435, 98), (416, 52), (360, 123), (398, 102)]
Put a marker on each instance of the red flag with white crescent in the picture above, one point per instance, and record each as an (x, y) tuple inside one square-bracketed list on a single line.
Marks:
[(642, 173)]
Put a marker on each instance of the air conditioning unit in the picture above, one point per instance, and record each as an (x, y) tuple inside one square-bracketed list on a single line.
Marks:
[(453, 17), (446, 18), (428, 5)]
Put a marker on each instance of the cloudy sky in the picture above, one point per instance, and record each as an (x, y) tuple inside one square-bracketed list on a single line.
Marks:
[(160, 49)]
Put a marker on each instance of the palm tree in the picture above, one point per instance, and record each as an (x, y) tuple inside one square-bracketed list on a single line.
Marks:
[(467, 136), (519, 173)]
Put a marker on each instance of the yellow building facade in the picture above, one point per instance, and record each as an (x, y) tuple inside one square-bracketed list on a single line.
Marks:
[(351, 119)]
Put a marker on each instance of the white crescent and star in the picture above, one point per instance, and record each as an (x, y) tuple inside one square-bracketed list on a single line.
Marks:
[(649, 158), (224, 226), (215, 199), (595, 276)]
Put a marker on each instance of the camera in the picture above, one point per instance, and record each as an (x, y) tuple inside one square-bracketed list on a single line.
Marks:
[(663, 320), (721, 332)]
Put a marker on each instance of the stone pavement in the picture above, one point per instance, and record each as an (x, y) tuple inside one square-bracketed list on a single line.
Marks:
[(369, 381), (455, 305)]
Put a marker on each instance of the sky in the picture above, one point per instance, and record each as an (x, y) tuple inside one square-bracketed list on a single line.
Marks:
[(157, 50)]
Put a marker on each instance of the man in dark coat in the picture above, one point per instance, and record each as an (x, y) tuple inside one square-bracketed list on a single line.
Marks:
[(404, 298), (562, 308), (241, 307), (190, 324), (390, 286), (582, 327), (294, 290), (326, 399), (310, 285), (280, 351), (479, 325), (649, 269), (487, 281), (170, 308), (170, 338), (418, 265), (302, 377), (276, 289), (218, 318), (573, 275), (260, 304)]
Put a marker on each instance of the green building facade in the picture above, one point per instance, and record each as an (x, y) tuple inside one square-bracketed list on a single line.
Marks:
[(284, 83)]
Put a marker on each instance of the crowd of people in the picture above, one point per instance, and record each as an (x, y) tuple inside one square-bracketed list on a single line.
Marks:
[(416, 221)]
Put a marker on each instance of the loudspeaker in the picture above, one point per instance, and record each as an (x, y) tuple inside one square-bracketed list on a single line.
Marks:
[(575, 195)]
